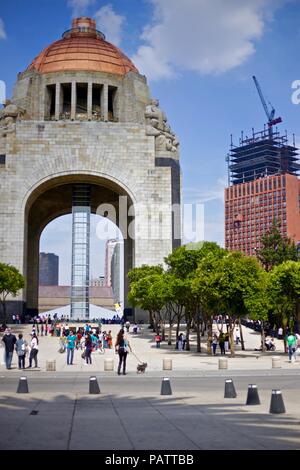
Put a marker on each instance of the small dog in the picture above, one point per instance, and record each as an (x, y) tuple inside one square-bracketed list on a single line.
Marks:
[(141, 368)]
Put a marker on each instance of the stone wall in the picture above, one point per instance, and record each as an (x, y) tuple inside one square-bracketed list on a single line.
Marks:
[(119, 155)]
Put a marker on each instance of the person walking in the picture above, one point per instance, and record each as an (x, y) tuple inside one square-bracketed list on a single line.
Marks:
[(180, 342), (34, 350), (71, 339), (121, 347), (109, 340), (21, 351), (9, 341), (222, 342), (214, 343), (292, 346), (88, 349)]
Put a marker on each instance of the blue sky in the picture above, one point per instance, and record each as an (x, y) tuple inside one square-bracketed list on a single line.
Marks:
[(199, 57)]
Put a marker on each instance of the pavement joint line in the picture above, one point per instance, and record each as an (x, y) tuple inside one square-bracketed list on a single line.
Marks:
[(121, 422), (174, 425), (72, 423)]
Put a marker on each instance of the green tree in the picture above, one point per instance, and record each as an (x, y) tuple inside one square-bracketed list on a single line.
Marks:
[(135, 275), (226, 283), (258, 303), (275, 248), (284, 293), (144, 294), (183, 264), (11, 281)]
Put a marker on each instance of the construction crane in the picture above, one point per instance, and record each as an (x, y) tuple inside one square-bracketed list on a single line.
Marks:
[(270, 114)]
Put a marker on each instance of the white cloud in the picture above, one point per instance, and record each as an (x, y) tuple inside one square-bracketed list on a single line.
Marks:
[(110, 24), (2, 30), (80, 6), (205, 36), (196, 195)]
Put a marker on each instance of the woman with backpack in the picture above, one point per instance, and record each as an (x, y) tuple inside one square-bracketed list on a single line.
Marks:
[(121, 347), (21, 351)]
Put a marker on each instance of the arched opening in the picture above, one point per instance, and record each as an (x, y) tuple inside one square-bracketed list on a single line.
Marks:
[(106, 266), (53, 199)]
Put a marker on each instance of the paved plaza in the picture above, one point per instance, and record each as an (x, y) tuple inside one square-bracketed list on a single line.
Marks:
[(130, 413)]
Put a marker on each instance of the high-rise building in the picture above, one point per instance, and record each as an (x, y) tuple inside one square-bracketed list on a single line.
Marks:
[(49, 266), (116, 272), (109, 250), (263, 187)]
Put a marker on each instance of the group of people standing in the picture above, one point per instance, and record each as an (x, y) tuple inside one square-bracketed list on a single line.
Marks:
[(87, 339), (122, 346), (222, 341), (21, 347)]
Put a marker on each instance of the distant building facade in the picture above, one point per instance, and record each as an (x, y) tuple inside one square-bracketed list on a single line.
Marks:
[(98, 281), (52, 297), (49, 269)]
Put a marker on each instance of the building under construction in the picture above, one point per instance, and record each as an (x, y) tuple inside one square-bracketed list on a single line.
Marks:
[(263, 186)]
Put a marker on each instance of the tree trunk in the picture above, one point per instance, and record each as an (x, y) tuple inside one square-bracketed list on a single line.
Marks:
[(188, 328), (263, 342), (151, 321), (163, 332), (3, 303), (209, 336), (177, 327), (231, 330), (241, 335), (198, 337), (170, 334)]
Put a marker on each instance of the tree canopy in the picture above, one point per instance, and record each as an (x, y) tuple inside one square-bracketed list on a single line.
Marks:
[(11, 281), (276, 249)]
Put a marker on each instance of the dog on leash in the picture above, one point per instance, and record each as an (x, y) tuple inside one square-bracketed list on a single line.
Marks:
[(140, 369)]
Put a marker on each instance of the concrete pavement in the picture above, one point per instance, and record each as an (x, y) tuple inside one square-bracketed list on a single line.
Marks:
[(143, 346), (130, 413)]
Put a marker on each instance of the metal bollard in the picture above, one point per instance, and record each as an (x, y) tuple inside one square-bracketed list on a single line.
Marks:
[(252, 397), (23, 385), (229, 389), (166, 387), (94, 386), (277, 405)]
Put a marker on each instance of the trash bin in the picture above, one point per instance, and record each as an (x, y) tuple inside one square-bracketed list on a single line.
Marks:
[(223, 363), (167, 363), (51, 365), (108, 364), (276, 363)]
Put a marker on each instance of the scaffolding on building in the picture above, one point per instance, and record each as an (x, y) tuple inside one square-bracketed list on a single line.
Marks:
[(263, 154)]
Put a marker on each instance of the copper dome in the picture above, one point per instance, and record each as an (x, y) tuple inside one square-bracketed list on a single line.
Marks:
[(83, 48)]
